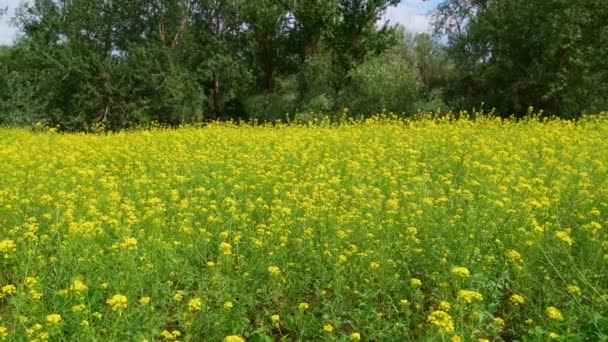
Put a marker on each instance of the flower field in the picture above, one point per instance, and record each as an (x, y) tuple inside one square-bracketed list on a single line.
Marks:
[(387, 230)]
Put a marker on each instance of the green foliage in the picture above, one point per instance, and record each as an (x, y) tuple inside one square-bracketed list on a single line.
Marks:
[(514, 54), (383, 82)]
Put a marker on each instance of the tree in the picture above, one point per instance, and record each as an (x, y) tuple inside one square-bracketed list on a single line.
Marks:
[(511, 57)]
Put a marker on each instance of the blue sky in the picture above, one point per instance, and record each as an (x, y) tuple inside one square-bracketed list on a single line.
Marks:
[(411, 13)]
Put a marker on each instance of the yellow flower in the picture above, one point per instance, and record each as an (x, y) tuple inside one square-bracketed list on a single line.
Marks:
[(461, 271), (274, 270), (144, 300), (118, 302), (441, 319), (3, 332), (575, 290), (553, 335), (374, 265), (8, 290), (210, 264), (499, 322), (469, 296), (129, 243), (415, 282), (226, 248), (78, 286), (355, 336), (564, 235), (35, 294), (195, 304), (7, 247), (328, 328), (275, 318), (78, 308), (178, 296), (516, 299), (228, 305), (554, 313), (445, 306), (303, 306), (30, 281), (53, 318), (456, 338), (233, 338), (513, 255), (170, 335)]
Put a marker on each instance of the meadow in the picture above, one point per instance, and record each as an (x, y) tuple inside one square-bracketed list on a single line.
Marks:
[(384, 230)]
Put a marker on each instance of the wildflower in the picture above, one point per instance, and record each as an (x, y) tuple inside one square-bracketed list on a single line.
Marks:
[(461, 271), (499, 322), (441, 319), (374, 265), (553, 335), (564, 235), (195, 304), (328, 328), (30, 282), (53, 319), (554, 313), (513, 255), (7, 247), (274, 270), (469, 296), (355, 336), (275, 318), (118, 302), (228, 305), (415, 282), (575, 290), (445, 306), (144, 300), (170, 335), (84, 323), (210, 264), (178, 296), (303, 306), (516, 299), (233, 338), (3, 332), (78, 286), (129, 243), (404, 301), (8, 290), (78, 308), (225, 248), (35, 294), (456, 338)]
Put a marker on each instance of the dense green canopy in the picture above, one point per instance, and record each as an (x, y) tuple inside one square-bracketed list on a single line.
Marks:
[(87, 64)]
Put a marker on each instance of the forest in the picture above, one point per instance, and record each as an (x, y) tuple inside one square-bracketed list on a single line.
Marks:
[(82, 65)]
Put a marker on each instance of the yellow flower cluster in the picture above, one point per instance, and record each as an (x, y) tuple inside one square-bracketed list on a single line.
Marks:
[(441, 319), (118, 302), (361, 230), (469, 296)]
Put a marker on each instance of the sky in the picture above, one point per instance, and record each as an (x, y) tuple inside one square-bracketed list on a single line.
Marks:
[(410, 13)]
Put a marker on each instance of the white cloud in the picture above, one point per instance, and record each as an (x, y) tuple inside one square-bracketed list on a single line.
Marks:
[(414, 18), (8, 32)]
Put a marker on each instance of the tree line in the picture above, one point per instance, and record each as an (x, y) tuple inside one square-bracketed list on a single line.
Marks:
[(87, 64)]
